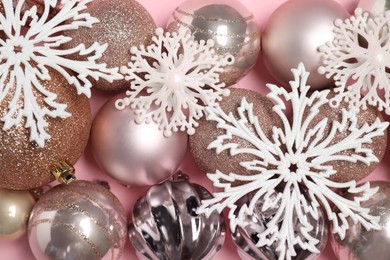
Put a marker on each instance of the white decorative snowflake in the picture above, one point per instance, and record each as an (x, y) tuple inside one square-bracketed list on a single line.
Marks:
[(32, 44), (173, 80), (308, 149), (359, 61)]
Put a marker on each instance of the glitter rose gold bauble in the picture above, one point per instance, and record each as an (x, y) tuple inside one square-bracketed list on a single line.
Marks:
[(24, 164), (347, 171), (123, 24), (208, 160)]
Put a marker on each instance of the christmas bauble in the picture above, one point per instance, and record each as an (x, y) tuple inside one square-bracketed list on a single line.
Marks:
[(360, 244), (134, 154), (293, 34), (207, 159), (15, 208), (347, 171), (165, 224), (230, 24), (375, 7), (25, 164), (122, 25), (246, 236), (82, 220)]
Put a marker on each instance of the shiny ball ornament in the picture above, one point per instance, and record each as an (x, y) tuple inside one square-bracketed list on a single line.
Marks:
[(375, 7), (230, 24), (166, 226), (207, 159), (360, 244), (134, 154), (293, 34), (246, 236), (25, 165), (15, 208), (122, 25), (82, 220), (348, 171)]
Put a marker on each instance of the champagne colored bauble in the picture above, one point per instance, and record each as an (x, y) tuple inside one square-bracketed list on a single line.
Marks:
[(123, 24), (24, 164), (82, 220), (347, 171), (134, 154), (166, 226), (15, 208), (293, 34), (230, 24), (246, 235), (360, 244), (208, 160), (375, 7)]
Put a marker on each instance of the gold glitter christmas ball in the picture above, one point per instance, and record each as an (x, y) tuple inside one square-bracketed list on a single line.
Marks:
[(24, 164), (347, 171), (122, 25), (208, 160)]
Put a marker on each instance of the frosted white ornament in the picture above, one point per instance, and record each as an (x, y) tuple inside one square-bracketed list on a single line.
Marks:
[(32, 44), (294, 158), (358, 59), (173, 80)]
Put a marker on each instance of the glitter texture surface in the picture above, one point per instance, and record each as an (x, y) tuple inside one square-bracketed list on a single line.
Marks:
[(24, 164), (123, 24)]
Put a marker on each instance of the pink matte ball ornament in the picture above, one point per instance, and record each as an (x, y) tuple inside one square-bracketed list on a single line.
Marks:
[(134, 154), (293, 34)]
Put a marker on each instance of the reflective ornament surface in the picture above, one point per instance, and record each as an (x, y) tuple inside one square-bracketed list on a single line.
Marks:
[(165, 224), (360, 244), (25, 165), (82, 220), (246, 236), (293, 34), (375, 6), (134, 154), (15, 208), (230, 24)]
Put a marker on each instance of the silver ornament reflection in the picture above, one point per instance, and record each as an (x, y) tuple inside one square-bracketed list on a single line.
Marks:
[(230, 24), (293, 34), (82, 220), (166, 226), (375, 7), (246, 236), (360, 244)]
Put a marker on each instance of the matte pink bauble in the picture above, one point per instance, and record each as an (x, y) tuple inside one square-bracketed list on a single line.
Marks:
[(134, 154), (293, 34)]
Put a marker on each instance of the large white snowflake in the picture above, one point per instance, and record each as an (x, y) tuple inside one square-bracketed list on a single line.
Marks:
[(173, 80), (359, 60), (294, 163), (31, 45)]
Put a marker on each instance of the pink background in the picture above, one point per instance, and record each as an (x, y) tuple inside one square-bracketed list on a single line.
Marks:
[(87, 168)]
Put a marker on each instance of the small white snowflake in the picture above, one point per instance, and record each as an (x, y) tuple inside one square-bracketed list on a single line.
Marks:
[(173, 80), (293, 162), (31, 46), (359, 61)]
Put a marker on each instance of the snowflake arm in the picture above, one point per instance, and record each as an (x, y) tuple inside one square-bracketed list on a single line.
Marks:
[(174, 74)]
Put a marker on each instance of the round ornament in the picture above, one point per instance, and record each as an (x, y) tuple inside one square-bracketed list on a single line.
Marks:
[(246, 235), (207, 159), (347, 171), (293, 34), (122, 25), (360, 244), (82, 220), (375, 7), (134, 154), (27, 165), (230, 24), (15, 208), (166, 226)]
